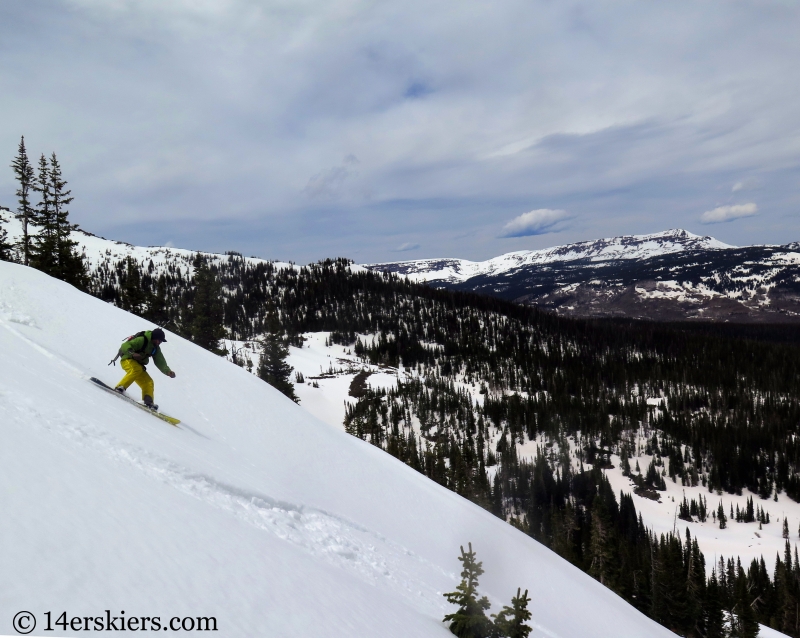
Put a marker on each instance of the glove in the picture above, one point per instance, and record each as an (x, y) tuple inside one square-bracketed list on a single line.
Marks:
[(171, 374)]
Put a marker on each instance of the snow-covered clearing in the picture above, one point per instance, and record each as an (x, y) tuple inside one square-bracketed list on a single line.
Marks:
[(328, 371), (745, 540)]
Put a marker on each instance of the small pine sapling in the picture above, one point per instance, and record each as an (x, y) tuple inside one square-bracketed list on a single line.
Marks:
[(469, 620), (510, 622)]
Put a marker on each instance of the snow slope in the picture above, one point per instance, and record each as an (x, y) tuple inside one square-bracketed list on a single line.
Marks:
[(598, 250), (253, 511)]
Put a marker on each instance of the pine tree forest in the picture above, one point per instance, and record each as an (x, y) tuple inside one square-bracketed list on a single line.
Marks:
[(717, 406)]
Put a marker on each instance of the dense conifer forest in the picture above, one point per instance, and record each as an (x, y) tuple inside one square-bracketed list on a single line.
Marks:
[(717, 406)]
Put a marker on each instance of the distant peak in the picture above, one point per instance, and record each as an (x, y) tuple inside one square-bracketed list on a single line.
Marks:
[(623, 247)]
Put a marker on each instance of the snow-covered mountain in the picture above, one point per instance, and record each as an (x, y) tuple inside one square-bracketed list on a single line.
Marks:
[(252, 512), (672, 275), (454, 271)]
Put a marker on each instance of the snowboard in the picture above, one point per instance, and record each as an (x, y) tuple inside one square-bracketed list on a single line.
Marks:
[(141, 406)]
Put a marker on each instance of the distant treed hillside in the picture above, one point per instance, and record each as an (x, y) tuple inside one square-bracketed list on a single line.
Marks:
[(720, 409)]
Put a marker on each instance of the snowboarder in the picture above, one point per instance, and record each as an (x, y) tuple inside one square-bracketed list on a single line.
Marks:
[(135, 355)]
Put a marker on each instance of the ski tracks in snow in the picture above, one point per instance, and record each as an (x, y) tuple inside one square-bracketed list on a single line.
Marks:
[(327, 536), (340, 542)]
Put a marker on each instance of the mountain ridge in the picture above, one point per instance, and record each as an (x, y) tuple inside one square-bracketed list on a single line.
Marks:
[(673, 275), (604, 249)]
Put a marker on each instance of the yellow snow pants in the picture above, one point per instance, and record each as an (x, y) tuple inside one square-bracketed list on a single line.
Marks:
[(136, 373)]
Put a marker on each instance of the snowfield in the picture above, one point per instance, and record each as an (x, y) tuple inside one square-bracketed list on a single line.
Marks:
[(252, 511)]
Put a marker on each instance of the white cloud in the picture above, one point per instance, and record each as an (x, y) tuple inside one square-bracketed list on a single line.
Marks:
[(746, 184), (456, 118), (728, 213), (404, 247), (536, 222)]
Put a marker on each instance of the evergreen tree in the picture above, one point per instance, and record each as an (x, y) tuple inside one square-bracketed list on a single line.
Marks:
[(133, 297), (470, 620), (600, 547), (24, 174), (157, 305), (714, 619), (743, 621), (52, 249), (624, 464), (43, 246), (71, 267), (272, 367), (510, 622), (207, 312), (6, 249)]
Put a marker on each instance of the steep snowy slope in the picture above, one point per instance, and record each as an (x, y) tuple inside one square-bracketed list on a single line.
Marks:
[(253, 512)]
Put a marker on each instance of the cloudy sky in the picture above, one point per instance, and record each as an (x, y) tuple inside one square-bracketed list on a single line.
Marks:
[(399, 129)]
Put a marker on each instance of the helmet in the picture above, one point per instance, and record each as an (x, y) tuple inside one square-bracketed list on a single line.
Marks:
[(158, 333)]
